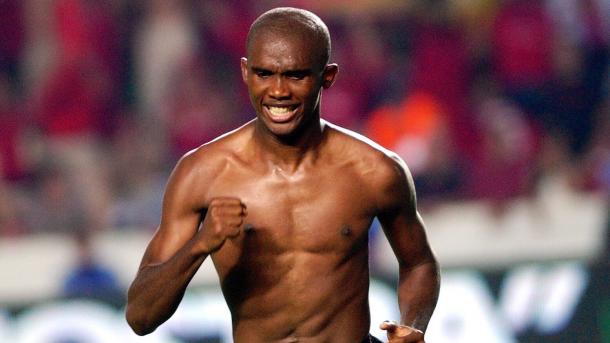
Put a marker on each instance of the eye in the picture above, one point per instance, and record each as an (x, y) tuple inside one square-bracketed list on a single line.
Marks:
[(262, 73), (297, 74)]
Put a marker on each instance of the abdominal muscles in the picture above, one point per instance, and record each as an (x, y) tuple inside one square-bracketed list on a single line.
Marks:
[(297, 294)]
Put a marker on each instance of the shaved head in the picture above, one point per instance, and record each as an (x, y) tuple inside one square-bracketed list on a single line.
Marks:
[(295, 23)]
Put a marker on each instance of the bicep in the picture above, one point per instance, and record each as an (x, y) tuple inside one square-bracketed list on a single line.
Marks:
[(407, 236), (400, 220), (180, 217)]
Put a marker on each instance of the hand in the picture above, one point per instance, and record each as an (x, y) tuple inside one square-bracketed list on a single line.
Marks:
[(402, 333), (223, 220)]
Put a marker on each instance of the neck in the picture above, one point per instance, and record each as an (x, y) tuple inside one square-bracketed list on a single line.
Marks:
[(288, 152)]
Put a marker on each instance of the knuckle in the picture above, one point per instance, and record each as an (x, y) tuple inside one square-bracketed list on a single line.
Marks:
[(216, 210), (218, 229)]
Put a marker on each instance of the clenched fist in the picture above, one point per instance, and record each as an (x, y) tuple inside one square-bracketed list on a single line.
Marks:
[(223, 220)]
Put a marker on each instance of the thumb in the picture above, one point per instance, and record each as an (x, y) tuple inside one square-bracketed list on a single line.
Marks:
[(389, 326), (396, 331)]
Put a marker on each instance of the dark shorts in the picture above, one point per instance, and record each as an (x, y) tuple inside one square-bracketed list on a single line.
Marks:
[(371, 339)]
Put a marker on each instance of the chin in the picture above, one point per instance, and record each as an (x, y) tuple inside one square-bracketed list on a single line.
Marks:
[(284, 132), (281, 130)]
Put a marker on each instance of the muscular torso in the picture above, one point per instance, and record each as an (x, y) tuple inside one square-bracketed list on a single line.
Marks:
[(299, 270)]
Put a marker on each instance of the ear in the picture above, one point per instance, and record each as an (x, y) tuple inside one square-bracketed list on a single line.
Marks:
[(243, 63), (329, 75)]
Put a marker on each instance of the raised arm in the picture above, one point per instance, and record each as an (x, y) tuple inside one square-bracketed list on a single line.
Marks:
[(419, 279), (178, 248)]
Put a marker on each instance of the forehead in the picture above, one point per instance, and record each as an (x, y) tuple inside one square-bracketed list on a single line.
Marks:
[(285, 50)]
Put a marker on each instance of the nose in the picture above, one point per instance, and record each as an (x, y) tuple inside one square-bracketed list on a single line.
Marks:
[(279, 89)]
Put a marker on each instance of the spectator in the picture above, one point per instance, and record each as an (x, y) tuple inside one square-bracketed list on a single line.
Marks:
[(507, 151), (197, 111), (12, 36), (59, 207), (165, 41), (522, 45), (138, 174), (440, 66), (14, 166), (89, 278), (417, 131)]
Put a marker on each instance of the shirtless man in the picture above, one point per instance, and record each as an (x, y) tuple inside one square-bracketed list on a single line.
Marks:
[(283, 205)]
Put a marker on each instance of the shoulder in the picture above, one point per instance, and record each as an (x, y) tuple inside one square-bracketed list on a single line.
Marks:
[(371, 159), (215, 153), (381, 170), (198, 167)]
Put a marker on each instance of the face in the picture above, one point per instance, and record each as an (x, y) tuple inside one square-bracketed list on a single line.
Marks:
[(284, 80)]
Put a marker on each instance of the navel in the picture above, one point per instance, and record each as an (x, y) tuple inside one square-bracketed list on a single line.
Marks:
[(346, 231)]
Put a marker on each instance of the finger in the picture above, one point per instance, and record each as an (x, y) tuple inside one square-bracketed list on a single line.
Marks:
[(389, 326), (233, 221), (225, 201), (219, 211), (228, 202), (406, 334), (234, 232), (229, 211)]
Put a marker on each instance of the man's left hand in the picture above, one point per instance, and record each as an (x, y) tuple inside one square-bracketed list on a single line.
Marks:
[(401, 333)]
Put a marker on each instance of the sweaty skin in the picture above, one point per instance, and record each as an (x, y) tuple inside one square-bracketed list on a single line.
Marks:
[(283, 205)]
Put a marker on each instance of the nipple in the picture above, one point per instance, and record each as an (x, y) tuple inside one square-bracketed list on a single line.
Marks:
[(249, 228)]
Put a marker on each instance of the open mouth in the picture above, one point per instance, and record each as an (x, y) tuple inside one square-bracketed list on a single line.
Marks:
[(280, 114)]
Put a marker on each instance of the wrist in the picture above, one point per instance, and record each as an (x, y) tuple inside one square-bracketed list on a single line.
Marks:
[(200, 247)]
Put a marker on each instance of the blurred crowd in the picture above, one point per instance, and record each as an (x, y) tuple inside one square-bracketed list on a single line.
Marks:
[(484, 99)]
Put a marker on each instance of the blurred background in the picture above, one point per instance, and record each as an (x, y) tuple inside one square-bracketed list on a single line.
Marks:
[(501, 109)]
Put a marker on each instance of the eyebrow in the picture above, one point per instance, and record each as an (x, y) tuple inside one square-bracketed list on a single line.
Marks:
[(305, 72), (258, 70)]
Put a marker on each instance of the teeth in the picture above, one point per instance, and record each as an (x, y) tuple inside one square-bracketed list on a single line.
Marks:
[(279, 111)]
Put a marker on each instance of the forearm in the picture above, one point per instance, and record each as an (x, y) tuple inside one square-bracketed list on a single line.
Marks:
[(158, 289), (418, 289)]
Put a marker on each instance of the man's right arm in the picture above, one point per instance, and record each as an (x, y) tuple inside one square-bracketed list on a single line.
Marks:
[(178, 248)]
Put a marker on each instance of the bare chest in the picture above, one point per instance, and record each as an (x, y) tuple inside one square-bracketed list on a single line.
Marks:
[(320, 212)]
